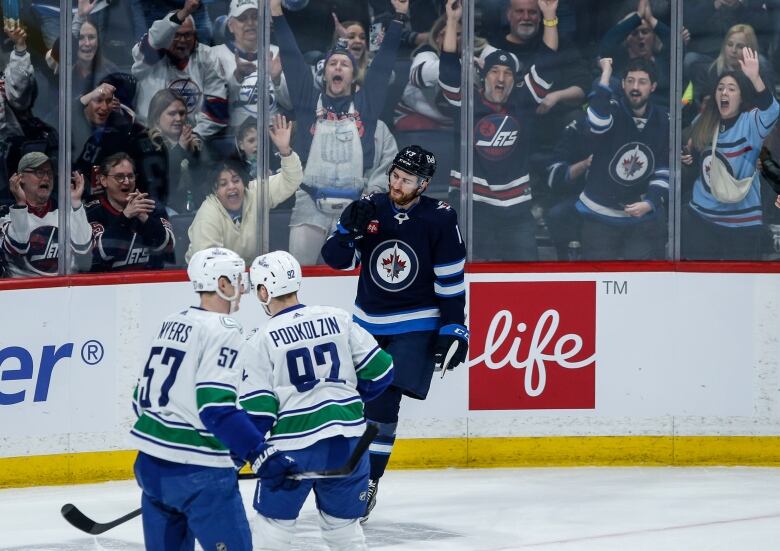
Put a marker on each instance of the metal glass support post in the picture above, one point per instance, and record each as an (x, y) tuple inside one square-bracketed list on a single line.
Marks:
[(263, 120), (64, 252), (676, 89), (465, 212)]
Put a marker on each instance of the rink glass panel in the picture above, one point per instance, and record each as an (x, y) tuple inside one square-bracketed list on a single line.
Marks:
[(551, 220)]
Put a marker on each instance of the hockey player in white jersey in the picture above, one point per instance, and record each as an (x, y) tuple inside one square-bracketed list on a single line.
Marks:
[(189, 423), (306, 376)]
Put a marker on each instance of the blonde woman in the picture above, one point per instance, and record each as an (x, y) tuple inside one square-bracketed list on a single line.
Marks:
[(737, 39)]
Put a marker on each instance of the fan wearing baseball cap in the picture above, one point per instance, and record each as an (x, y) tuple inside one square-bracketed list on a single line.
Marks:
[(28, 229), (504, 114), (338, 130), (238, 60)]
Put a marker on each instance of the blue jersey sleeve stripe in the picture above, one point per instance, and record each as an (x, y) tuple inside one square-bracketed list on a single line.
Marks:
[(367, 358), (449, 290), (256, 393), (453, 268), (214, 384), (406, 326)]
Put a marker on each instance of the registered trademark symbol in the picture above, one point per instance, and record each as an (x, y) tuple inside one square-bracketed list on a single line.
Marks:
[(92, 352)]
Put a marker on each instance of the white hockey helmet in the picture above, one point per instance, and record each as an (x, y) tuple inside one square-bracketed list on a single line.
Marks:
[(278, 272), (207, 266)]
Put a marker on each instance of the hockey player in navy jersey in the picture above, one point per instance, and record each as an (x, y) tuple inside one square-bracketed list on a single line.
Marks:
[(189, 423), (623, 205), (411, 292), (306, 376)]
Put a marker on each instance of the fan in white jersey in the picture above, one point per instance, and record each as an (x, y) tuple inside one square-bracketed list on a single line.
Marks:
[(189, 425), (307, 375)]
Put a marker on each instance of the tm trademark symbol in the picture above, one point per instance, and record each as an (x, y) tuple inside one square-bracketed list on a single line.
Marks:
[(92, 352), (615, 287)]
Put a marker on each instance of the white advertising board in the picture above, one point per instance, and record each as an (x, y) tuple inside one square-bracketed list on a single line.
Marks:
[(552, 355)]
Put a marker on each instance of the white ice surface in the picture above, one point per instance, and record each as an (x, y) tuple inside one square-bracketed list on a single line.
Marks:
[(582, 509)]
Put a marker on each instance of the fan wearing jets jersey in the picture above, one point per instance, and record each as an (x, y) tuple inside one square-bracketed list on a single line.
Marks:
[(623, 205), (307, 374), (504, 114), (411, 293), (189, 426)]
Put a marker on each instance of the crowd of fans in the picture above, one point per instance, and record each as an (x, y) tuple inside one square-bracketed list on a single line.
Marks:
[(571, 126)]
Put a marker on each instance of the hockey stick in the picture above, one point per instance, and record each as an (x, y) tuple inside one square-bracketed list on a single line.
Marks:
[(448, 358), (349, 466), (79, 520)]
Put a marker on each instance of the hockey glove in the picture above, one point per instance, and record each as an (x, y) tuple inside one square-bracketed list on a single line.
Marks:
[(451, 347), (273, 467), (238, 463), (354, 220)]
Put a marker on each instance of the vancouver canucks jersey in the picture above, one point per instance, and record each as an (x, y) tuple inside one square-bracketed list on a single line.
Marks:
[(309, 372), (412, 273), (191, 369)]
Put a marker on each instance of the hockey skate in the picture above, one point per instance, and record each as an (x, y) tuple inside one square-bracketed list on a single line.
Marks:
[(373, 488)]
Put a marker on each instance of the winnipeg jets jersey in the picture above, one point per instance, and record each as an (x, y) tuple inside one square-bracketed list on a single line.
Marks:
[(306, 372), (412, 267), (190, 369), (30, 239), (630, 160)]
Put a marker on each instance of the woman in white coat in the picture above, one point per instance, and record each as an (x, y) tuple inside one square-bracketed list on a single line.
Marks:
[(228, 216)]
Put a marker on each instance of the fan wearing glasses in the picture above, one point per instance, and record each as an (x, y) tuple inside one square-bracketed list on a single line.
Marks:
[(28, 229), (128, 227)]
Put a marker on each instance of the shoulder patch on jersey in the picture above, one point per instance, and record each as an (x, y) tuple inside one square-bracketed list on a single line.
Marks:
[(443, 205), (230, 323)]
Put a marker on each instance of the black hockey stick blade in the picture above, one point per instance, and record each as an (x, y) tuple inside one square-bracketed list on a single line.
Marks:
[(81, 521), (349, 466)]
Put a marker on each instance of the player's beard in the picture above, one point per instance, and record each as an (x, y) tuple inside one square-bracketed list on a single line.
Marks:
[(404, 200)]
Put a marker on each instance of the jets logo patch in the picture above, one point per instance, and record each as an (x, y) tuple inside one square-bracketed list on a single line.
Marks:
[(706, 166), (631, 164), (248, 95), (496, 136), (189, 90), (393, 265)]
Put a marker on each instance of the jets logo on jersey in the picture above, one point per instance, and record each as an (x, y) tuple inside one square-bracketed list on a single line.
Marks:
[(631, 164), (706, 166), (248, 95), (43, 249), (393, 265), (187, 89), (496, 136)]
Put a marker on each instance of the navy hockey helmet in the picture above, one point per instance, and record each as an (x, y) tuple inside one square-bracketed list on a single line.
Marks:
[(415, 160)]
